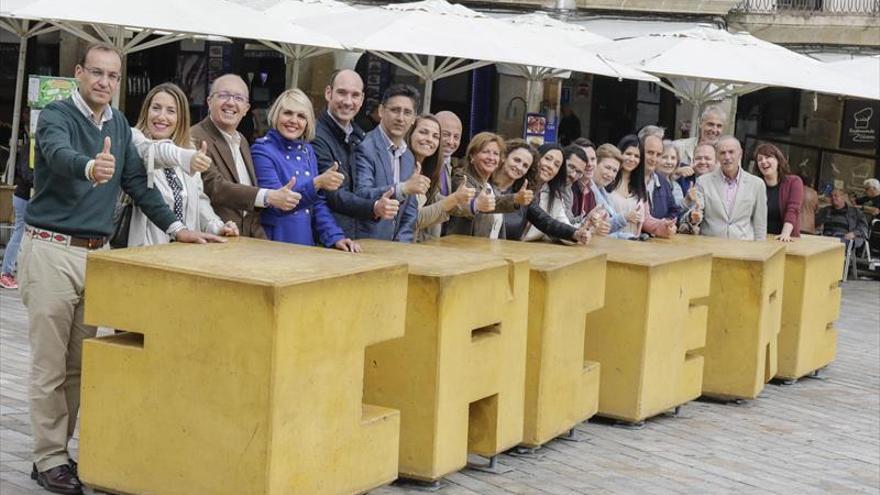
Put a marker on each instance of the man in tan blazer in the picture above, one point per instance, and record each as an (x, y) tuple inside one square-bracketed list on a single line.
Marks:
[(734, 201), (230, 183)]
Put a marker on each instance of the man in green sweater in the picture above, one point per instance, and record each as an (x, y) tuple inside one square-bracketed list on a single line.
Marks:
[(84, 155)]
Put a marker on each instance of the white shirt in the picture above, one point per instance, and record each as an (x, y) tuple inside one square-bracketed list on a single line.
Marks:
[(234, 142)]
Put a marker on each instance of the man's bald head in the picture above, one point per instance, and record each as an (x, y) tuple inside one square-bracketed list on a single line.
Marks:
[(227, 80), (450, 126), (345, 95)]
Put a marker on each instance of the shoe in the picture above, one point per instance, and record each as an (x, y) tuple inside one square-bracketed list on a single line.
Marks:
[(59, 479), (70, 462), (7, 281)]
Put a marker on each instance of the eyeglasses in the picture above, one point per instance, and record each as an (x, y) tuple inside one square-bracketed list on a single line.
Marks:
[(99, 74), (406, 112), (224, 96)]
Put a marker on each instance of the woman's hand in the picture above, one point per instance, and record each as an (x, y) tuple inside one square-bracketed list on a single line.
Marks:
[(230, 229), (785, 235), (583, 235), (635, 216), (525, 195), (330, 180), (460, 198), (485, 202), (347, 245), (685, 171)]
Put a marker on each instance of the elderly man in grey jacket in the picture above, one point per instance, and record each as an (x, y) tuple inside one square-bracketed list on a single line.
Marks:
[(734, 201)]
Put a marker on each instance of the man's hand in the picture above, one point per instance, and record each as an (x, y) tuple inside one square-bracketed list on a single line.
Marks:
[(285, 198), (347, 245), (193, 237), (525, 195), (685, 171), (692, 194), (485, 202), (230, 229), (385, 208), (696, 216), (330, 180), (669, 229), (105, 164), (200, 161), (417, 183)]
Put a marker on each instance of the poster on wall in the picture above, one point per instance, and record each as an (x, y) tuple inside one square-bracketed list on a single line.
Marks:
[(536, 125), (859, 126), (539, 129)]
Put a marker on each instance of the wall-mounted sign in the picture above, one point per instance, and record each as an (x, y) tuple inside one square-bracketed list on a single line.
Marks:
[(860, 124)]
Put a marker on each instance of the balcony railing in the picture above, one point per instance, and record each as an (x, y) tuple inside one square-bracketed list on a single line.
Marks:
[(837, 7)]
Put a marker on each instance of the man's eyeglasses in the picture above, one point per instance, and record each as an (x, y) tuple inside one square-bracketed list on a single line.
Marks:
[(99, 74), (224, 96), (406, 112)]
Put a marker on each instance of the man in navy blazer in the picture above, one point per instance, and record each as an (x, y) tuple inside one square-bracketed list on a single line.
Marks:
[(337, 137), (386, 168)]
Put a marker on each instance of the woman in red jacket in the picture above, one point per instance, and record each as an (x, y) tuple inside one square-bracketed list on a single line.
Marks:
[(785, 193)]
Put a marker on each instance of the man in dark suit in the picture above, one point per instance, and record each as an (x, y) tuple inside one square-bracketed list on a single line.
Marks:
[(337, 137), (386, 168), (230, 183)]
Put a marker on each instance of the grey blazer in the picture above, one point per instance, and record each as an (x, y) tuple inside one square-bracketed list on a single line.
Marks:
[(748, 218)]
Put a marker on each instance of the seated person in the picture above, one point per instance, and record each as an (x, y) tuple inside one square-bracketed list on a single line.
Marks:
[(842, 220)]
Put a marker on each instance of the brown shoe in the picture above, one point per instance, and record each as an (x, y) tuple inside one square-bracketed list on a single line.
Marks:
[(59, 479)]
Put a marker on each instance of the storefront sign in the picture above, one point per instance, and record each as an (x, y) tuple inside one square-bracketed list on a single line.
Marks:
[(859, 127)]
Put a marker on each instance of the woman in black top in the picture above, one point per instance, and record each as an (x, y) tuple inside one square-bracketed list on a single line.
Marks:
[(510, 177)]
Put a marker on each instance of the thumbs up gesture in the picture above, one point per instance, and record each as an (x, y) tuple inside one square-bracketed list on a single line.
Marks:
[(485, 202), (200, 161), (525, 195), (386, 207), (285, 198), (330, 180), (417, 183), (460, 198), (105, 164)]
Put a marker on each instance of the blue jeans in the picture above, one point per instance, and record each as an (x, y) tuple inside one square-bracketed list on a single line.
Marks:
[(11, 252)]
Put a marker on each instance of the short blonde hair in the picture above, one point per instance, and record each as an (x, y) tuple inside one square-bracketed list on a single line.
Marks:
[(608, 150), (294, 99)]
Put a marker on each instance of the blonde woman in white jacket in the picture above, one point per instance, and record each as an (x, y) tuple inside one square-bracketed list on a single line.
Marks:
[(161, 137)]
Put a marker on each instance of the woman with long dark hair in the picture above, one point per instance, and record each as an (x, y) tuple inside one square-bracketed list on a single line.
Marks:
[(785, 193), (424, 142), (510, 178), (629, 194)]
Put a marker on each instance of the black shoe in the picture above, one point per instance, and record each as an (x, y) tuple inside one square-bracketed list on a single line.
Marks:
[(70, 462), (59, 479)]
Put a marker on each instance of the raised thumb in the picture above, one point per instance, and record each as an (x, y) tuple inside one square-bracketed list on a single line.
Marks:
[(291, 183), (334, 167), (204, 148), (388, 193), (525, 185), (106, 145), (418, 169)]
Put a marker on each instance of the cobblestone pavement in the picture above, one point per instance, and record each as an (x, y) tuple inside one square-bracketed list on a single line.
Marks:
[(816, 436)]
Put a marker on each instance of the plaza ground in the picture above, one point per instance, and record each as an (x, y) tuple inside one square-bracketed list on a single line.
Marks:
[(815, 436)]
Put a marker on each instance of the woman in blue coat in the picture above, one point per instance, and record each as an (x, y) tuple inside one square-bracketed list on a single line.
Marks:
[(284, 157)]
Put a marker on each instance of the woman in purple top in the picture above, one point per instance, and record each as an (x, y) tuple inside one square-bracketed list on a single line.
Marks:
[(284, 158)]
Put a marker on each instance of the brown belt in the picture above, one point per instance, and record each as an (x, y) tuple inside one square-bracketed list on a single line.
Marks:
[(68, 240)]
